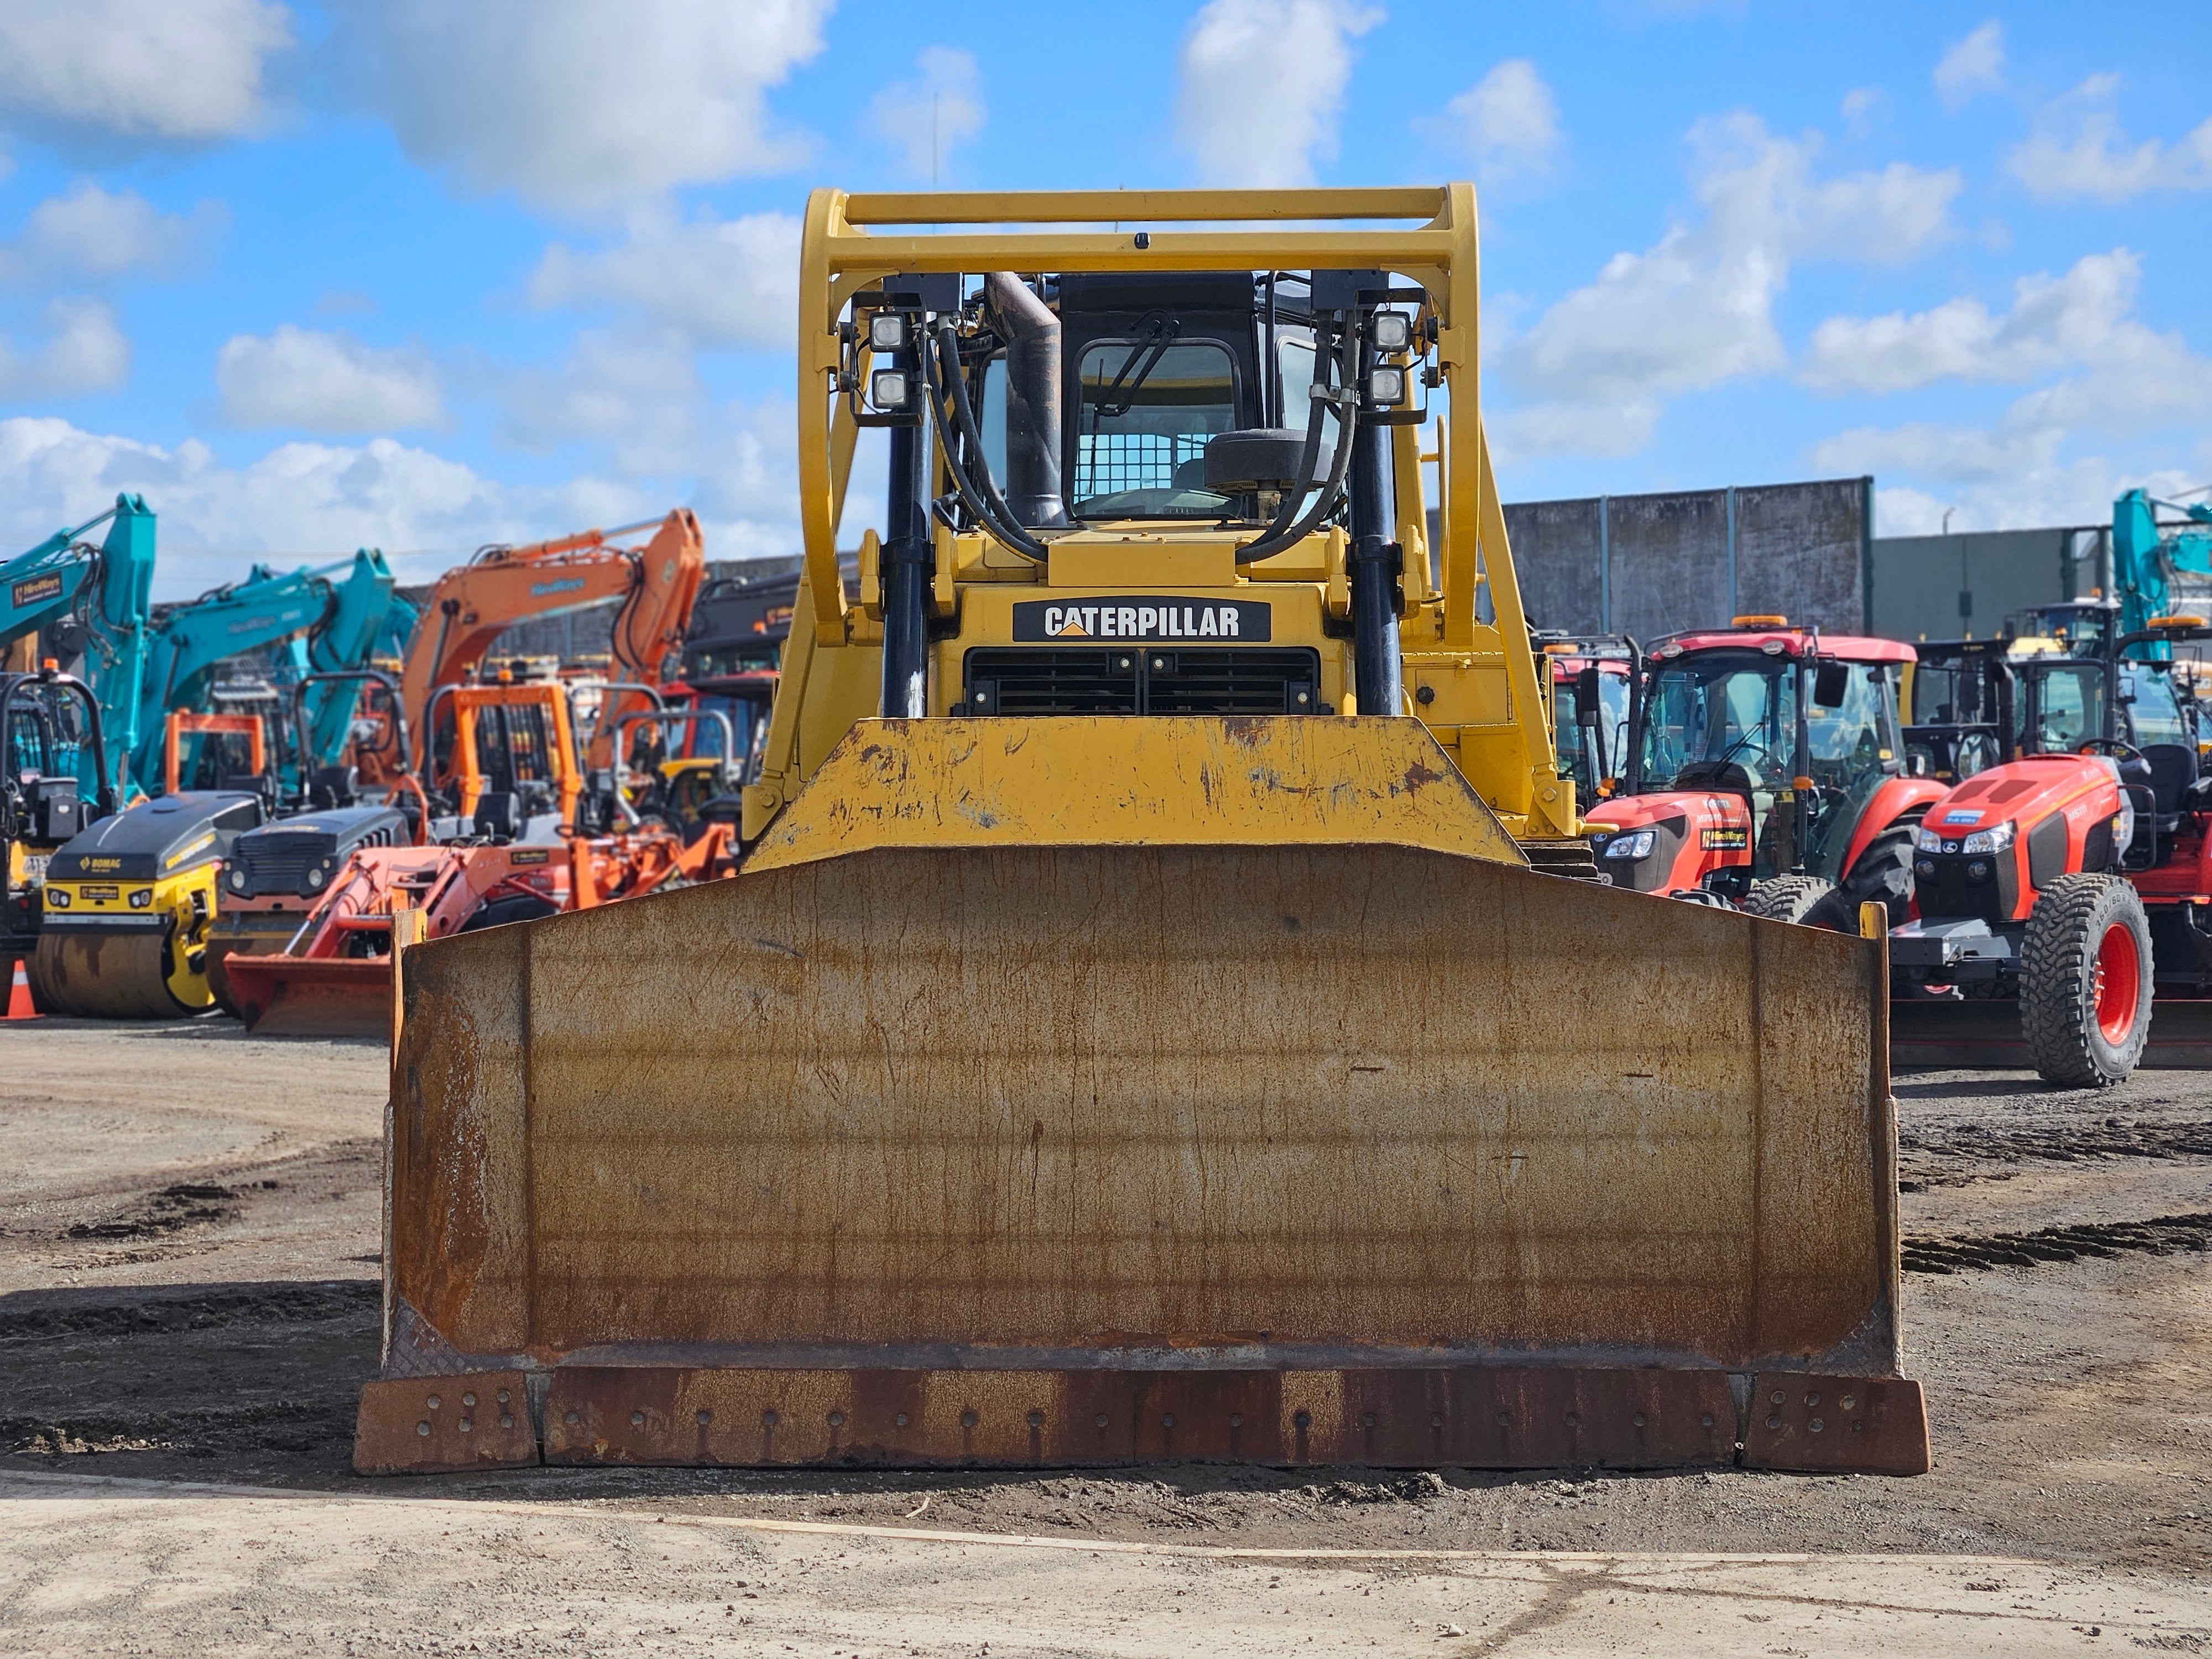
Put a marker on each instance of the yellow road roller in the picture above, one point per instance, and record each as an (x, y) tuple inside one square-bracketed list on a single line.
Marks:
[(128, 903)]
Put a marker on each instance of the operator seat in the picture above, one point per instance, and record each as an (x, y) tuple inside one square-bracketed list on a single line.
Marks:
[(2172, 781)]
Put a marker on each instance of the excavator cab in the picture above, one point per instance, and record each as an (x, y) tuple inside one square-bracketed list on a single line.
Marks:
[(217, 751), (50, 736), (1132, 1032)]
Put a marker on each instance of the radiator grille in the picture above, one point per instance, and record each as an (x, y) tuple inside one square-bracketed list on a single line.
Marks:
[(1138, 680)]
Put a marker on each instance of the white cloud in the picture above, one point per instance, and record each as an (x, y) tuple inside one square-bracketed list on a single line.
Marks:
[(639, 393), (1260, 84), (2076, 149), (2078, 318), (1697, 309), (2118, 379), (1975, 64), (98, 233), (578, 103), (724, 283), (924, 119), (1507, 124), (162, 70), (328, 382), (297, 503), (82, 351), (1860, 106)]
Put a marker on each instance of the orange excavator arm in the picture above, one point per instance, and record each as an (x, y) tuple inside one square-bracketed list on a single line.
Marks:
[(474, 604)]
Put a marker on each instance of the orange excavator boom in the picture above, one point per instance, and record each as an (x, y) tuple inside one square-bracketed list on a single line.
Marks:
[(474, 604)]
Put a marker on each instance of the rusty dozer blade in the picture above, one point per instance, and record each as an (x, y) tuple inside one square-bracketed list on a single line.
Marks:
[(1313, 1127), (312, 996)]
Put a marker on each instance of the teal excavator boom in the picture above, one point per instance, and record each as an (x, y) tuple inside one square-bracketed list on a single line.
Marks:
[(2147, 556), (94, 603), (338, 611)]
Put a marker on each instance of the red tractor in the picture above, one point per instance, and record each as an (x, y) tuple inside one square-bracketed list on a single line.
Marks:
[(2077, 877), (1767, 769)]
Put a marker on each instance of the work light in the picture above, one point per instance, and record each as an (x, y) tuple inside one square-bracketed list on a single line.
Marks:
[(887, 388), (1393, 330)]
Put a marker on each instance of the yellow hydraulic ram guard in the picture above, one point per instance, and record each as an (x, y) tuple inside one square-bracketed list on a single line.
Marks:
[(1178, 1080)]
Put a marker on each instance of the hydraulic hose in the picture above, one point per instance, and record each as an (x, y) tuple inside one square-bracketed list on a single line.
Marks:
[(985, 502), (1273, 540)]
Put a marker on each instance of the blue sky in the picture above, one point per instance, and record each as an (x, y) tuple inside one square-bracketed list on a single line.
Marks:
[(423, 276)]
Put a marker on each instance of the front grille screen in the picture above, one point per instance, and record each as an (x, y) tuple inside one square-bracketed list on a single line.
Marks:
[(1137, 680)]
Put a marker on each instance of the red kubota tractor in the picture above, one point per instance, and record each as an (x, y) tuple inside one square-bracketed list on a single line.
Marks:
[(2076, 878), (1766, 769)]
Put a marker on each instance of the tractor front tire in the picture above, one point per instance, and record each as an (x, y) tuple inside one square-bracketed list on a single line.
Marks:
[(2085, 981), (1810, 901)]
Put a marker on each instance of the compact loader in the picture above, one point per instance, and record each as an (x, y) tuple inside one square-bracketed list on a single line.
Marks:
[(1152, 1020)]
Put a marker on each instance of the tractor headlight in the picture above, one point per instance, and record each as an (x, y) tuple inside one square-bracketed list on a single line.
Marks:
[(887, 388), (887, 331), (1978, 870), (56, 898), (237, 880), (1927, 841), (141, 897), (1923, 866), (1393, 330), (1995, 839), (1386, 387), (316, 877), (1635, 846)]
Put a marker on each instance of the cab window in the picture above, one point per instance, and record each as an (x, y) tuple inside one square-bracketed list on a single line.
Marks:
[(1147, 415), (2155, 713), (2069, 708), (1856, 735)]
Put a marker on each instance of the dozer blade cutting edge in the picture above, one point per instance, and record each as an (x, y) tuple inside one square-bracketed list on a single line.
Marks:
[(997, 1115)]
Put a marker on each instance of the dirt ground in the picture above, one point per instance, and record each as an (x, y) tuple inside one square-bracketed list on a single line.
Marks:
[(188, 1223)]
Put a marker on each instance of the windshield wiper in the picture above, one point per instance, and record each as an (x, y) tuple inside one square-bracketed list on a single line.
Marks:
[(1137, 367)]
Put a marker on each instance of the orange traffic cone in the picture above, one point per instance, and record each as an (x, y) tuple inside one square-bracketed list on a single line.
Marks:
[(19, 995)]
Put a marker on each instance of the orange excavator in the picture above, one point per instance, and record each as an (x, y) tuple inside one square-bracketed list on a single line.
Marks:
[(473, 604)]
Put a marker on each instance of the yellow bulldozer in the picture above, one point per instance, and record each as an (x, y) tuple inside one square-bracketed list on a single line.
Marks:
[(1166, 1010)]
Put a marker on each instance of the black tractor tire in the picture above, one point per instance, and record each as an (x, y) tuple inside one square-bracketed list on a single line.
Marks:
[(2085, 981), (1810, 901), (1883, 874), (519, 908)]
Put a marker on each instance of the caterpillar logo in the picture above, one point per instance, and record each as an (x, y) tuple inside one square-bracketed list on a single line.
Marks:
[(1724, 841), (35, 590), (1148, 618)]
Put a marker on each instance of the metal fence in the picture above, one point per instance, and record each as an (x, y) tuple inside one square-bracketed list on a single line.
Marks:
[(1654, 564)]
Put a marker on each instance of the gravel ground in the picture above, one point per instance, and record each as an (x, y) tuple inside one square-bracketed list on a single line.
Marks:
[(189, 1221)]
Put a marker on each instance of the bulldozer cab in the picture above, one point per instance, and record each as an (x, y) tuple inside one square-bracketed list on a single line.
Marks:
[(1132, 1031)]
